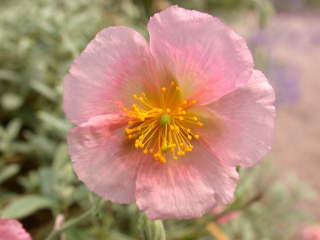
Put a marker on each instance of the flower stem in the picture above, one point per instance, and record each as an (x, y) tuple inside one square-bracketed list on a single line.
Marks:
[(243, 206), (75, 221), (203, 222)]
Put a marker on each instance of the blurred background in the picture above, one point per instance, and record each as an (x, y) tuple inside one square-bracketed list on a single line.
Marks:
[(38, 40)]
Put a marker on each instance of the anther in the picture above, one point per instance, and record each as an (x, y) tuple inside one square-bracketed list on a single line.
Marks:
[(188, 149), (200, 124), (181, 153)]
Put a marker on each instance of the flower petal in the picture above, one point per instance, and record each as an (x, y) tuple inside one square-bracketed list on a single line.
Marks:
[(184, 188), (11, 229), (102, 161), (207, 58), (107, 72), (247, 119)]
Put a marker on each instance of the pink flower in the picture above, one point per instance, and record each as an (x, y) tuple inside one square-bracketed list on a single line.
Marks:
[(166, 123), (311, 233), (11, 229)]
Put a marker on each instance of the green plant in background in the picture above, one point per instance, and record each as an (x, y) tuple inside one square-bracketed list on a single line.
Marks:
[(38, 40)]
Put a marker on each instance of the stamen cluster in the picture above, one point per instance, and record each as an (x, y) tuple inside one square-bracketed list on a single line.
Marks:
[(164, 126)]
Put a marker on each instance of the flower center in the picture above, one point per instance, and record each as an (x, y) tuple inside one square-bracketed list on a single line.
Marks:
[(164, 126), (165, 119)]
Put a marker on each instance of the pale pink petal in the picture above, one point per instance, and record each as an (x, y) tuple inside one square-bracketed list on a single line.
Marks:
[(245, 122), (206, 57), (102, 160), (184, 188), (111, 68), (311, 233), (11, 229)]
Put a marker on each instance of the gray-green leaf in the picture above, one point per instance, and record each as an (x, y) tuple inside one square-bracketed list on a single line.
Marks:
[(25, 206)]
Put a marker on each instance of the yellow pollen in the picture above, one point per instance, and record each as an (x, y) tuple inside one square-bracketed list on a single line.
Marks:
[(164, 127)]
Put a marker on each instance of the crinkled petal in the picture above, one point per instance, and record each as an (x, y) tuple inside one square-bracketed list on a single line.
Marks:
[(246, 122), (11, 229), (102, 160), (206, 57), (184, 188), (114, 65)]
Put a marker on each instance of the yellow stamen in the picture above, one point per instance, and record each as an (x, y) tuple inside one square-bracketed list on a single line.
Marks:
[(165, 128)]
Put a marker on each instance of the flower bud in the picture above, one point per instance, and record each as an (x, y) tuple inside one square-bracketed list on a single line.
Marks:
[(151, 230)]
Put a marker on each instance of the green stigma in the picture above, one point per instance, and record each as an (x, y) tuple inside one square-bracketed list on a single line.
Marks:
[(165, 119)]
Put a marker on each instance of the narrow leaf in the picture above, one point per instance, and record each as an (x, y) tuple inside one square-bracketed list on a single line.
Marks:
[(26, 206)]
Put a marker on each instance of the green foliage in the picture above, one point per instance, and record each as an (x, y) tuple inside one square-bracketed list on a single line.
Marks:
[(25, 206), (8, 171), (275, 215)]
